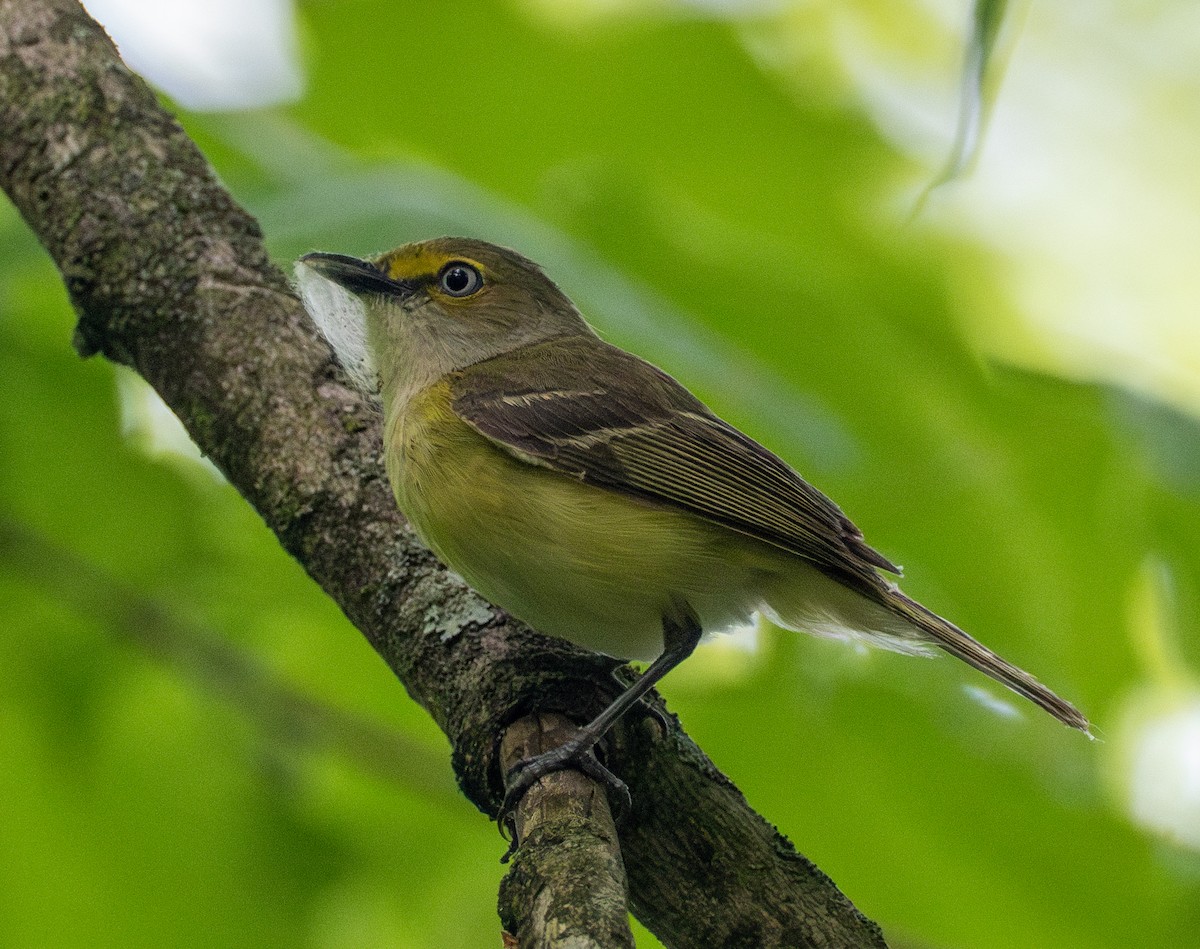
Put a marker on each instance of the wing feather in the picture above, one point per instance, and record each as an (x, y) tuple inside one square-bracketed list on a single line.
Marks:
[(608, 418)]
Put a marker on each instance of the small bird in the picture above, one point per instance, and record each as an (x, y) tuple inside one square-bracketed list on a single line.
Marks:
[(587, 492)]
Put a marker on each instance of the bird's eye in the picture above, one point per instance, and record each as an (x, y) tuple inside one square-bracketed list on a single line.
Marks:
[(459, 279)]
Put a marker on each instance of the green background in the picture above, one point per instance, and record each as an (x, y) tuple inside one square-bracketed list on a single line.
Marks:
[(739, 231)]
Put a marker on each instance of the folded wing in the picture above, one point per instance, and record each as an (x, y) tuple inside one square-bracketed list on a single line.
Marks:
[(608, 418)]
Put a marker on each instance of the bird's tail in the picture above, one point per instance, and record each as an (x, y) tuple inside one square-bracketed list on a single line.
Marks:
[(946, 635)]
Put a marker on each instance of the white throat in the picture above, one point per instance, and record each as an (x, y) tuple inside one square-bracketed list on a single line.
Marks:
[(342, 319)]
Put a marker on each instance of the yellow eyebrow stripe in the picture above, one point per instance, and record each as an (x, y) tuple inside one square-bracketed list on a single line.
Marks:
[(421, 262)]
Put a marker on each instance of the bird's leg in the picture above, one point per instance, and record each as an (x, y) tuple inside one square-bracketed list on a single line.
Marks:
[(680, 637), (646, 703)]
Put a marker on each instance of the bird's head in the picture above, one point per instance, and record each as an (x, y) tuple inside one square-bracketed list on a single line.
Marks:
[(405, 318)]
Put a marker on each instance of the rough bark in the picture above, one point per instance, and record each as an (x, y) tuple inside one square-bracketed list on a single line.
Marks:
[(567, 885), (168, 275)]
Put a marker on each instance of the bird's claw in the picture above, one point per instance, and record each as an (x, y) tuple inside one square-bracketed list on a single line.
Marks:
[(527, 772), (657, 714)]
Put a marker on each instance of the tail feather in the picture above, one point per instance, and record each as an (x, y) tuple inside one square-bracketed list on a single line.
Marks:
[(953, 640)]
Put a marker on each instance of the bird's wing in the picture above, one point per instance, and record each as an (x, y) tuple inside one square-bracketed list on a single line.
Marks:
[(599, 414)]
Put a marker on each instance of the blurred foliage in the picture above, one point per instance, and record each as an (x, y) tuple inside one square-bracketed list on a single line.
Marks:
[(978, 78), (734, 229)]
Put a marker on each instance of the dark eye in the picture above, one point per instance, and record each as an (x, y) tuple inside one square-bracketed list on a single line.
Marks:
[(459, 279)]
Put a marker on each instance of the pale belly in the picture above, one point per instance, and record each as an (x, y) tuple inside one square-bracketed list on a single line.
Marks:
[(597, 567), (572, 560)]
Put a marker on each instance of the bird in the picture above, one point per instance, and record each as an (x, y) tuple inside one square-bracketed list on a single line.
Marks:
[(587, 492)]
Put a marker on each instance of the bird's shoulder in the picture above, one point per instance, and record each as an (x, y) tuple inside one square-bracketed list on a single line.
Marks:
[(567, 386)]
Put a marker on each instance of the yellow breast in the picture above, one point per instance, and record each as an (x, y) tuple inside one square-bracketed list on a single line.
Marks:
[(590, 565)]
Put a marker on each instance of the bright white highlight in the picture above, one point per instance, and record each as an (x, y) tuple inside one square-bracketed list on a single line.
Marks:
[(992, 702), (209, 55), (342, 320), (725, 657), (1164, 779), (743, 637), (147, 421), (1085, 186)]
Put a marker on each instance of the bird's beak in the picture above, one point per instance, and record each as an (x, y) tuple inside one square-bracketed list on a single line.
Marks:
[(357, 276)]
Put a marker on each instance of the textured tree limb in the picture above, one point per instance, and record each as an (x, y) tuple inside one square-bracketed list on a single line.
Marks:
[(566, 834), (169, 276)]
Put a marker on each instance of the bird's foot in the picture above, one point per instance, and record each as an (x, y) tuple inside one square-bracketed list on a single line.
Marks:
[(575, 753)]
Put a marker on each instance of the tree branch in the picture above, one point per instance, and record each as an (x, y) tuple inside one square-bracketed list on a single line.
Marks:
[(168, 275), (567, 836)]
